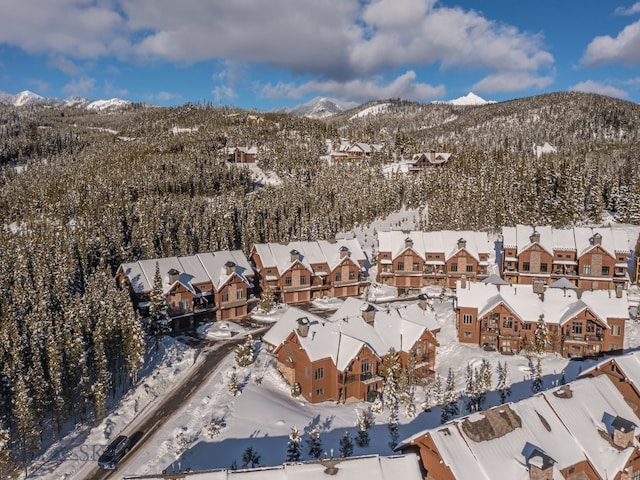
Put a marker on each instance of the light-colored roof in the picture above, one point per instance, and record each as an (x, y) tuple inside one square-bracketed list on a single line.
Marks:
[(587, 414), (628, 363), (371, 467), (286, 324), (443, 241), (569, 429), (558, 306), (320, 252), (192, 270), (576, 239)]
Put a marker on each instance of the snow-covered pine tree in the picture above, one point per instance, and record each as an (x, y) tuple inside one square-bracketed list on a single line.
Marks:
[(450, 407), (346, 445), (314, 442), (9, 468), (294, 446), (438, 390), (364, 420), (267, 300), (245, 352), (391, 372), (158, 322), (540, 336), (503, 386), (234, 387), (394, 426), (537, 383), (470, 389)]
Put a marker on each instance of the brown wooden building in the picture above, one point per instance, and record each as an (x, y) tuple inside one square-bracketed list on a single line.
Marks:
[(242, 154), (590, 258), (411, 260), (580, 431), (505, 317), (339, 358), (301, 271), (205, 285)]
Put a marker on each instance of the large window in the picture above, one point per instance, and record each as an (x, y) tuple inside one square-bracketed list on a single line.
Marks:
[(338, 277), (239, 294), (605, 270), (225, 297), (400, 267), (616, 330), (526, 266), (467, 319), (303, 279), (454, 267), (319, 373), (352, 275), (287, 281), (365, 366), (586, 269), (543, 267), (416, 267), (576, 327), (507, 322)]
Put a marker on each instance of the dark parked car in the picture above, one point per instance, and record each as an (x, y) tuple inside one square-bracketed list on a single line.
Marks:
[(113, 453)]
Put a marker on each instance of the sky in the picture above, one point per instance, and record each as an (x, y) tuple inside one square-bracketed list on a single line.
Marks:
[(262, 55)]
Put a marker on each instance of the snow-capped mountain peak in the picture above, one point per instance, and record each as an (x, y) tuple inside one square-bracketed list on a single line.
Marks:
[(26, 98), (470, 99), (320, 107), (29, 98)]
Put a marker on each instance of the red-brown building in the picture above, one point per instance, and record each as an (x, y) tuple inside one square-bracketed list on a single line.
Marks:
[(580, 431), (301, 271), (505, 317), (590, 258), (414, 259), (242, 154), (207, 284), (339, 358)]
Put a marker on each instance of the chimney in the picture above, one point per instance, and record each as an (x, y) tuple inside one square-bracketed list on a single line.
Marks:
[(462, 243), (408, 243), (596, 239), (535, 237), (623, 431), (295, 255), (423, 301), (538, 287), (344, 251), (368, 313), (230, 267), (579, 293), (540, 466), (173, 276), (303, 326), (463, 282), (619, 288)]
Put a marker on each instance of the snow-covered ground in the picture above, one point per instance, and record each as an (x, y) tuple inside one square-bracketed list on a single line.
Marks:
[(258, 175), (215, 428)]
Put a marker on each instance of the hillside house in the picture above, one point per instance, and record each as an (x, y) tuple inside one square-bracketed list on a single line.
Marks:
[(582, 430), (591, 258), (414, 259), (242, 154), (199, 286), (505, 317), (420, 161), (339, 358), (354, 152), (301, 271)]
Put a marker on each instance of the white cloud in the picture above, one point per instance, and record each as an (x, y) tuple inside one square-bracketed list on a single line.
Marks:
[(632, 10), (591, 86), (223, 92), (111, 91), (624, 49), (64, 65), (512, 82), (404, 86), (40, 86), (80, 87)]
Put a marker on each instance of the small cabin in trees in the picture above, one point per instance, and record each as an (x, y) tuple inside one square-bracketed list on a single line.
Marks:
[(590, 258), (218, 284), (411, 260), (242, 154), (505, 317), (420, 161), (340, 358), (582, 430), (301, 271), (351, 152)]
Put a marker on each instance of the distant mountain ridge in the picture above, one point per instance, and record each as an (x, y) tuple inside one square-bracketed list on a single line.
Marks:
[(319, 107), (26, 98)]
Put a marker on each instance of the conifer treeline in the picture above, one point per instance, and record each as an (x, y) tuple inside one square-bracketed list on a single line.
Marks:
[(102, 189)]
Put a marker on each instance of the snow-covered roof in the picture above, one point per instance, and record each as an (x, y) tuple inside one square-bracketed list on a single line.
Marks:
[(588, 412), (443, 241), (310, 253), (628, 363), (191, 270), (576, 239), (371, 467), (564, 426), (558, 305), (345, 333)]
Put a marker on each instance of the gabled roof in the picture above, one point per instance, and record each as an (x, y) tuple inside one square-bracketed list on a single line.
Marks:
[(557, 305), (628, 363), (576, 239), (443, 241), (215, 265), (560, 427)]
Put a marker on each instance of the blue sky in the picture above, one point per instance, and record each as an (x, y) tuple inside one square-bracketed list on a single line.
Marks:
[(265, 54)]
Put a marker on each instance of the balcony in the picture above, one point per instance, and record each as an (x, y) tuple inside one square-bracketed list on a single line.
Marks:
[(357, 377)]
